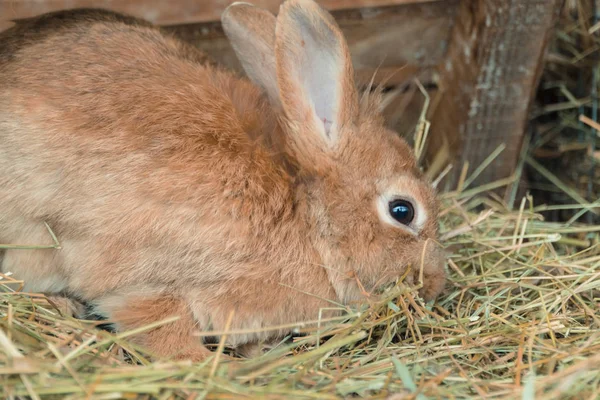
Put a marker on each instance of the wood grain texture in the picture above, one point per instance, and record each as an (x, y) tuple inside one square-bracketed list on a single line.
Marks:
[(393, 43), (487, 82), (169, 12)]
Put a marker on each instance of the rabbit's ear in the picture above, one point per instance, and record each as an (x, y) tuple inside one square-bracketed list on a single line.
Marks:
[(314, 71), (251, 32)]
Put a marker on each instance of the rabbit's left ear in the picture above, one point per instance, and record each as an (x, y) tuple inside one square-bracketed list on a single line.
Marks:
[(314, 72), (251, 32)]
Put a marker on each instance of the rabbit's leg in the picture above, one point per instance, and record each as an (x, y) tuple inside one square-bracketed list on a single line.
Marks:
[(175, 340), (66, 305), (256, 349)]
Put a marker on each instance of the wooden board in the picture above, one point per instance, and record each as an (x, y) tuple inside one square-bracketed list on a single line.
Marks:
[(167, 12), (393, 43), (487, 82)]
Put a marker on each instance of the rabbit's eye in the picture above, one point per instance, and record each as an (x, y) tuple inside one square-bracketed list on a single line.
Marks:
[(402, 211)]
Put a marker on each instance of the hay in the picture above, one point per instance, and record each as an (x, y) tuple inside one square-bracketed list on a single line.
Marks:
[(565, 162), (519, 319)]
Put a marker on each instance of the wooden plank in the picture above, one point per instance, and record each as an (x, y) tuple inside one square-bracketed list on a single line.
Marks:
[(487, 83), (402, 108), (170, 12), (393, 44)]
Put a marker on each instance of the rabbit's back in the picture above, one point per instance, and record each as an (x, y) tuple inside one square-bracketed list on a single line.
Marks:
[(122, 137), (71, 31)]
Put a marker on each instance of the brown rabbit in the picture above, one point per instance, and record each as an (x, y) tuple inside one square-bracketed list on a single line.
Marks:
[(177, 188)]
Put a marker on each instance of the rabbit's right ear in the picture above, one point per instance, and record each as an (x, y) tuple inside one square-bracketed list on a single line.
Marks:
[(251, 31), (315, 76)]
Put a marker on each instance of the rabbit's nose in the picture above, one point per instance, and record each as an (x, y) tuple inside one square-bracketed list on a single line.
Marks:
[(431, 270)]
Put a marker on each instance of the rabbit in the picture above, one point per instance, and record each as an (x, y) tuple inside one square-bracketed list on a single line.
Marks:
[(178, 188)]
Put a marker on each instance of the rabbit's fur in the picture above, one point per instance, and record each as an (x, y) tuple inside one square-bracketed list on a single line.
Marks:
[(177, 188)]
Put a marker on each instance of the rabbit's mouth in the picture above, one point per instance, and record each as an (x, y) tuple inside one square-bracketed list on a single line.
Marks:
[(431, 272), (425, 269)]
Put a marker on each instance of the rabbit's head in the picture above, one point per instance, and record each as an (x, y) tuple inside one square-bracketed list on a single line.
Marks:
[(373, 215)]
